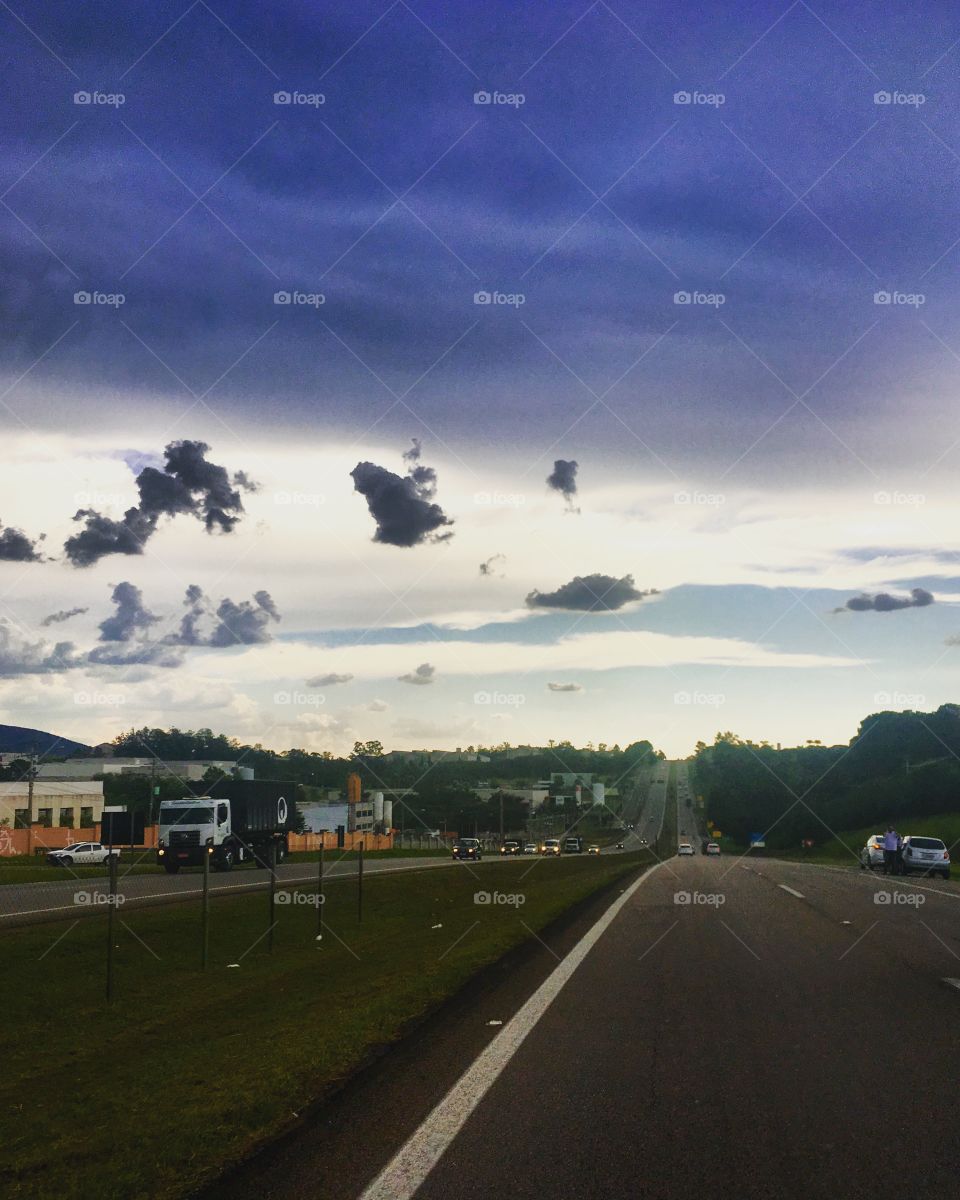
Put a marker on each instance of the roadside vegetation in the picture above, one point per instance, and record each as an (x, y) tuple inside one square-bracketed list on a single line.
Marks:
[(210, 1064)]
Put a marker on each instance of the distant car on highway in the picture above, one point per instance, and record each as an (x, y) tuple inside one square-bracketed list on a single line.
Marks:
[(530, 848), (465, 848), (619, 845), (926, 854), (684, 848), (643, 841), (511, 846), (871, 856), (81, 854), (593, 849), (712, 848), (551, 846)]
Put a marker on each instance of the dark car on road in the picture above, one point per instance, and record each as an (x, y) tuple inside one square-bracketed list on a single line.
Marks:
[(465, 848), (511, 846)]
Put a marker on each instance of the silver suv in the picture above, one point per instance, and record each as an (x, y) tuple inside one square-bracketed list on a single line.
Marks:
[(926, 854)]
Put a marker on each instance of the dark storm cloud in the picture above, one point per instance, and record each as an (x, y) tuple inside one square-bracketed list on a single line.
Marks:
[(131, 617), (188, 483), (590, 593), (64, 614), (488, 566), (19, 656), (563, 479), (424, 674), (328, 680), (565, 687), (402, 506), (884, 602), (246, 623), (15, 546)]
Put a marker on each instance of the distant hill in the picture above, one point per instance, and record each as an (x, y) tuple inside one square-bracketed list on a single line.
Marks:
[(15, 739)]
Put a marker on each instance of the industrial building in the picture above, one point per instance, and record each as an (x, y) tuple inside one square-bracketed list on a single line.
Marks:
[(77, 805), (87, 768)]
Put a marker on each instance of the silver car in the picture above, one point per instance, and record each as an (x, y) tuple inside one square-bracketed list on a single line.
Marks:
[(926, 854)]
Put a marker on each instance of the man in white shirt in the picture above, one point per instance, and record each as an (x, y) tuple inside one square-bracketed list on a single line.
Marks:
[(891, 843)]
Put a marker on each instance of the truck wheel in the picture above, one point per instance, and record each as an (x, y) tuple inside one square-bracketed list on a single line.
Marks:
[(281, 853), (171, 868), (226, 861), (65, 861)]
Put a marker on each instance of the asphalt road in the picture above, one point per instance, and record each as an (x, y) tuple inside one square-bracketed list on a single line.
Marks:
[(25, 903), (735, 1029)]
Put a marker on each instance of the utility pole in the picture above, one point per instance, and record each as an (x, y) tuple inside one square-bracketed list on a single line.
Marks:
[(31, 773)]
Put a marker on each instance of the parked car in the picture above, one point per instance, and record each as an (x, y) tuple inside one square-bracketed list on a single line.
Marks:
[(465, 848), (871, 856), (511, 846), (926, 854), (551, 846), (82, 854)]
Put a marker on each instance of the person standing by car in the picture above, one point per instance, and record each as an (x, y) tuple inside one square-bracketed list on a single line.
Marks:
[(891, 843), (900, 869)]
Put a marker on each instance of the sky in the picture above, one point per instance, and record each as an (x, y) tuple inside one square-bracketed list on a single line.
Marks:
[(452, 374)]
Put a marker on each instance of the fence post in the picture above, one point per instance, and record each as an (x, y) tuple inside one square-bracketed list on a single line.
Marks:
[(360, 884), (111, 911), (273, 893), (320, 896), (205, 913)]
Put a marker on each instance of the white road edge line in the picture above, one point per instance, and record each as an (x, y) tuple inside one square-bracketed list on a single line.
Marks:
[(414, 1161), (799, 895), (848, 871)]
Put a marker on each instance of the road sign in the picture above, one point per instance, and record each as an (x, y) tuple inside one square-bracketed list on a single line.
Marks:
[(756, 839)]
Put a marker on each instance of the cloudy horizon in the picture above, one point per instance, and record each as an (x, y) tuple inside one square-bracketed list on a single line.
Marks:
[(459, 376)]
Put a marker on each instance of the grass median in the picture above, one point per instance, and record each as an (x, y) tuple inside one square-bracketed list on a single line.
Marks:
[(186, 1070)]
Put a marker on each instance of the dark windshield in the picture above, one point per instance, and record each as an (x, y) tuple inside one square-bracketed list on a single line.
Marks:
[(921, 843), (195, 815)]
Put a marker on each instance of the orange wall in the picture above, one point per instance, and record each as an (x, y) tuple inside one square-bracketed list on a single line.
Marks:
[(18, 841)]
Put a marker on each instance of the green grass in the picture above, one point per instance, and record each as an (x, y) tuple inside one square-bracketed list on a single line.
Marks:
[(185, 1070)]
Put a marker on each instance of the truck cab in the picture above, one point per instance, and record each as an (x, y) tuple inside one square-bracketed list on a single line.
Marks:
[(251, 825)]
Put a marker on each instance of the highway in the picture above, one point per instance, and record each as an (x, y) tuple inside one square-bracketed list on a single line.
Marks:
[(27, 903), (718, 1028)]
